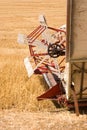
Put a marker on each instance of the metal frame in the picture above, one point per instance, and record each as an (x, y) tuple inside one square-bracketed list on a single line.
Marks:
[(78, 66)]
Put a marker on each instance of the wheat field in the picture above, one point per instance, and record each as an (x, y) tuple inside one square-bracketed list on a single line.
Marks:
[(19, 108), (16, 89)]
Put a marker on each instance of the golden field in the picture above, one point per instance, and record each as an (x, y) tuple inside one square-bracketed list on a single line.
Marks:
[(16, 89), (19, 109)]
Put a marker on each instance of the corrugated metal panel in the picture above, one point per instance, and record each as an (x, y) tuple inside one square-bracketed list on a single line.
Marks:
[(77, 32)]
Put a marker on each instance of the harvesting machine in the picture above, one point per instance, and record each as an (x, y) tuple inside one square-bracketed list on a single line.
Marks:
[(60, 56)]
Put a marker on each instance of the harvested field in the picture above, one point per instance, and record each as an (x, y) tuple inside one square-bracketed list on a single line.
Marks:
[(58, 120), (19, 109)]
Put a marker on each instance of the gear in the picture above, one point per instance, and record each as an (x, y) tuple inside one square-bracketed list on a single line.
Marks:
[(56, 50)]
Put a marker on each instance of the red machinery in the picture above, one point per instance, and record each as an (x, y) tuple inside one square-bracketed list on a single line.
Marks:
[(47, 57), (47, 47)]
